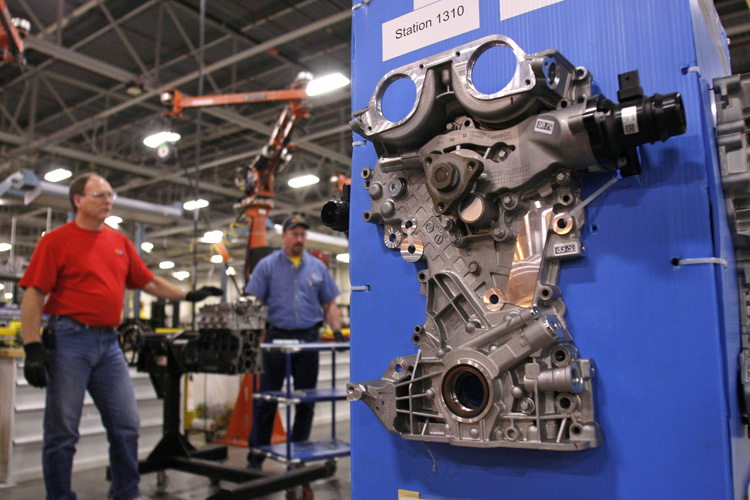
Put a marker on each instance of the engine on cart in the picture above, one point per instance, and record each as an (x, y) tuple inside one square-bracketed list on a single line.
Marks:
[(227, 342)]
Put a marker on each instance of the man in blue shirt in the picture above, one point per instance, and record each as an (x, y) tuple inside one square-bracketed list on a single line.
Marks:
[(300, 293)]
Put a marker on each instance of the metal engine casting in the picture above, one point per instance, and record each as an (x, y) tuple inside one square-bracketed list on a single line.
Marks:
[(227, 342), (486, 190)]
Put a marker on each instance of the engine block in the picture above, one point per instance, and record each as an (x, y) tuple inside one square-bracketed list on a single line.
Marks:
[(486, 189)]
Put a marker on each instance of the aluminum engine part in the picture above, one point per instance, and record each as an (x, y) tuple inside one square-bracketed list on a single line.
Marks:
[(732, 99), (486, 190)]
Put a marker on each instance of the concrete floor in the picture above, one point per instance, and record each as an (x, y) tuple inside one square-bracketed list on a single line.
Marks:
[(92, 484)]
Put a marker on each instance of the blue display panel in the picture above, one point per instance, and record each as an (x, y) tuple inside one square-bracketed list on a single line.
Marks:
[(663, 333)]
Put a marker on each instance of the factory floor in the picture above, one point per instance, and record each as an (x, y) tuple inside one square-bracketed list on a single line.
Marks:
[(92, 485)]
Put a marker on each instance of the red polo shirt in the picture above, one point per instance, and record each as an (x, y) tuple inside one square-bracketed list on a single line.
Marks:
[(85, 273)]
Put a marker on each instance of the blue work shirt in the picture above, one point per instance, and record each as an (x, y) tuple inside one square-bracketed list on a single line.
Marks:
[(293, 295)]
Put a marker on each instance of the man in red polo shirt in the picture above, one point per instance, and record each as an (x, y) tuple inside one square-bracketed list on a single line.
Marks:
[(83, 268)]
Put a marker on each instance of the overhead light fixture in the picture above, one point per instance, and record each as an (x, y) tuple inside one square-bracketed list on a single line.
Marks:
[(147, 246), (166, 264), (2, 287), (326, 83), (212, 237), (57, 175), (113, 221), (8, 296), (303, 180), (343, 257), (195, 204), (159, 138), (4, 247), (217, 259), (181, 275)]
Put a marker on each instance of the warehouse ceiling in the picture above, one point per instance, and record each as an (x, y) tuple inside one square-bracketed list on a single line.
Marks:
[(75, 105), (71, 106)]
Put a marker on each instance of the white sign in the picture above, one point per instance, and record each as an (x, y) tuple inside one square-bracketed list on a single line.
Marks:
[(513, 8), (431, 24)]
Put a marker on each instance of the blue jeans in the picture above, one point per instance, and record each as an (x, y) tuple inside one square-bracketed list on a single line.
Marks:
[(304, 366), (87, 358)]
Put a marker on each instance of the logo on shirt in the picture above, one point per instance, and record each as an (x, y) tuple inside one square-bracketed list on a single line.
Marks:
[(118, 251)]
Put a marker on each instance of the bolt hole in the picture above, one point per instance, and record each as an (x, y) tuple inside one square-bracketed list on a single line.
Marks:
[(676, 262), (428, 160), (565, 403), (576, 430), (472, 165), (561, 355), (528, 82), (397, 368), (366, 216), (494, 299), (562, 223), (594, 228), (441, 206), (458, 54), (411, 249)]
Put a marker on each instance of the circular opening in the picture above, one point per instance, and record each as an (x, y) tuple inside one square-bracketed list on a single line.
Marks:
[(392, 237), (494, 299), (562, 223), (552, 74), (367, 184), (561, 355), (397, 368), (467, 123), (411, 249), (408, 224), (576, 429), (415, 339), (428, 160), (366, 216), (511, 433), (676, 262), (565, 403), (472, 165), (493, 69), (466, 391), (546, 292), (563, 104), (399, 97), (441, 206), (422, 276), (566, 198)]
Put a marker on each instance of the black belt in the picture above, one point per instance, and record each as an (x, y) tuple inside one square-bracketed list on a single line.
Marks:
[(298, 331)]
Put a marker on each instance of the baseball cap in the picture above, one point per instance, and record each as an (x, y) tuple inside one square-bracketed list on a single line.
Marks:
[(294, 221)]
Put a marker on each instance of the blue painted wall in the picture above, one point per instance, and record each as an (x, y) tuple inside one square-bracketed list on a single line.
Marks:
[(665, 338)]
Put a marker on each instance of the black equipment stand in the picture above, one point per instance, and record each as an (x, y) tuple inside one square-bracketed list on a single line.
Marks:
[(175, 452)]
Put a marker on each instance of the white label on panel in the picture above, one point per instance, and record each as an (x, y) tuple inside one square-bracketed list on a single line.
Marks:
[(544, 126), (434, 23), (629, 120), (513, 8)]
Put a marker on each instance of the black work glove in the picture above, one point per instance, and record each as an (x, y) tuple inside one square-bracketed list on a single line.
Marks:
[(35, 365), (202, 293), (338, 336)]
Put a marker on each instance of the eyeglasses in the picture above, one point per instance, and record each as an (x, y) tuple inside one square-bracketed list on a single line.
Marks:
[(103, 194)]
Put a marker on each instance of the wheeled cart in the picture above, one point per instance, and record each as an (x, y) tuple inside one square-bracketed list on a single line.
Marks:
[(293, 454)]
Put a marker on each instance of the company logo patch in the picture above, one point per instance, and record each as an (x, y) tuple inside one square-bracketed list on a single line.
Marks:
[(118, 251)]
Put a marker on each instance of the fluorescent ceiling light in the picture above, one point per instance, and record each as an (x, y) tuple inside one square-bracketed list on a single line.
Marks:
[(113, 221), (8, 296), (147, 246), (4, 247), (231, 271), (193, 204), (159, 138), (303, 180), (326, 84), (217, 259), (212, 237), (343, 257), (57, 175), (166, 264), (2, 287), (181, 275)]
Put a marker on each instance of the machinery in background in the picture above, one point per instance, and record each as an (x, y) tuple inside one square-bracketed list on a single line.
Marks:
[(12, 32), (256, 178), (227, 342), (486, 189)]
